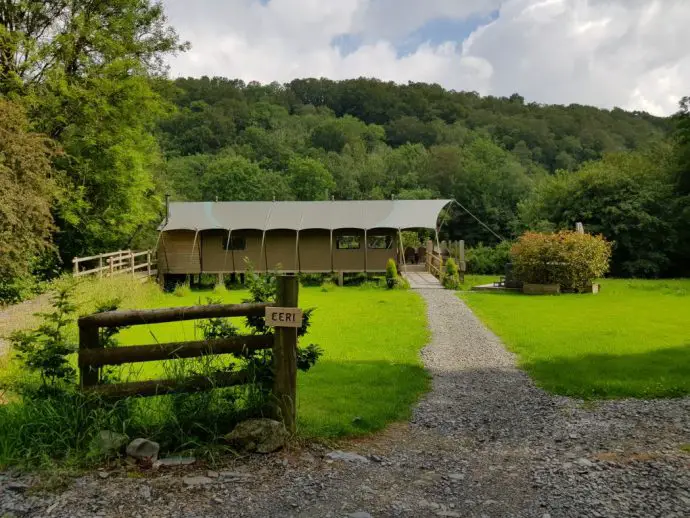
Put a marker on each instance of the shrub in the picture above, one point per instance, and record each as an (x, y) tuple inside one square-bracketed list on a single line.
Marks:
[(451, 275), (182, 290), (488, 260), (567, 258), (312, 279), (391, 274)]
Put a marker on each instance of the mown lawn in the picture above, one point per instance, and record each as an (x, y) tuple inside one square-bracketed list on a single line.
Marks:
[(370, 373), (630, 340)]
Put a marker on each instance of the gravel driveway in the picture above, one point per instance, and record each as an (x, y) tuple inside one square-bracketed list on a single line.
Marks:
[(485, 442)]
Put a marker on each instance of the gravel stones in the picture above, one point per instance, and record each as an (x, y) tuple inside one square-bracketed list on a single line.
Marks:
[(346, 456)]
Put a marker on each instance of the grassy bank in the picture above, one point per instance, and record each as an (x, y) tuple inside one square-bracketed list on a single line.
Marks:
[(369, 375), (630, 340)]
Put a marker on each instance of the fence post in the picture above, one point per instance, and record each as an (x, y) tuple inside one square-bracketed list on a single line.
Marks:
[(75, 268), (110, 263), (429, 254), (88, 339), (131, 262), (100, 267), (148, 263), (285, 356)]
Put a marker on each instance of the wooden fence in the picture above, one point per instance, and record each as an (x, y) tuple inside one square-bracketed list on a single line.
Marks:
[(114, 263), (93, 355), (436, 256)]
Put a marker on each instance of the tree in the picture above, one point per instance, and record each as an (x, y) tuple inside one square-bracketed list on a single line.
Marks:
[(627, 197), (235, 178), (27, 192), (309, 179), (486, 179), (83, 68)]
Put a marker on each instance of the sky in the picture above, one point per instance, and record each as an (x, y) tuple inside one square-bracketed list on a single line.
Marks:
[(633, 54)]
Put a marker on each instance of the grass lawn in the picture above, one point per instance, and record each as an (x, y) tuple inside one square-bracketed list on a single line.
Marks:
[(472, 280), (369, 375), (630, 340)]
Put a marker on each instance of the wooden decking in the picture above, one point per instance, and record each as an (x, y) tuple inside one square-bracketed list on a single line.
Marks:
[(422, 281)]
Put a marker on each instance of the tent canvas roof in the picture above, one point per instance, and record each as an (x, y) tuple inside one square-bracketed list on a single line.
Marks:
[(303, 215)]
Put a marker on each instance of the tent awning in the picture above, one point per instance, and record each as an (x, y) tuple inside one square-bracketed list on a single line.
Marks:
[(303, 215)]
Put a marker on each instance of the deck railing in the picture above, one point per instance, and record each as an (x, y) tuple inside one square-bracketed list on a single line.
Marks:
[(115, 263)]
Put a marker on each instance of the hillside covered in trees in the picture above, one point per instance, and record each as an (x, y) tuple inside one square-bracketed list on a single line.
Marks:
[(93, 135)]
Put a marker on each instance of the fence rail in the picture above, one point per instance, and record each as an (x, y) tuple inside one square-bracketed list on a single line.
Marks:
[(436, 256), (141, 263), (93, 355)]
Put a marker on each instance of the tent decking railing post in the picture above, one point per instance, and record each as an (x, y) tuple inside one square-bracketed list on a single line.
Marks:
[(402, 250)]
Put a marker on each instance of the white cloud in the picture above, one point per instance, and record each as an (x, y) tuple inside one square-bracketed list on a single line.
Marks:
[(628, 53)]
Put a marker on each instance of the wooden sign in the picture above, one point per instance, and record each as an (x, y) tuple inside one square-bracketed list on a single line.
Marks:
[(283, 317)]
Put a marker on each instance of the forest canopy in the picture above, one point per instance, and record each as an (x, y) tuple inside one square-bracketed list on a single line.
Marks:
[(86, 105)]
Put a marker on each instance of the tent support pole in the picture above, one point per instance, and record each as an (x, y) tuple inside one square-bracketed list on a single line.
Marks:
[(263, 257), (402, 249), (366, 248), (331, 250), (297, 268)]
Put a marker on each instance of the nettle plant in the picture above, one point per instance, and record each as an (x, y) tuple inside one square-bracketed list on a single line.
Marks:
[(258, 364), (45, 350)]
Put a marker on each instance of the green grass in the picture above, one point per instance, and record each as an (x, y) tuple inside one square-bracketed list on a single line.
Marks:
[(472, 280), (630, 340), (370, 373)]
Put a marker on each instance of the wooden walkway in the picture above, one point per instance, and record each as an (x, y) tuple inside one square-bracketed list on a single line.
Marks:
[(422, 281)]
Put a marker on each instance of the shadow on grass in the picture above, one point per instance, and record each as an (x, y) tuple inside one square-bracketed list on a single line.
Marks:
[(337, 398), (655, 374)]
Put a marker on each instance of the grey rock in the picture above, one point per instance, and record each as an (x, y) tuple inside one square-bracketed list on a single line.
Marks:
[(346, 456), (143, 449), (235, 474), (176, 461), (259, 435), (359, 514), (18, 487), (198, 480), (145, 492), (108, 443), (584, 462)]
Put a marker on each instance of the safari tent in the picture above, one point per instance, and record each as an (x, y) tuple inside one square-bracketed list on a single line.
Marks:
[(291, 236)]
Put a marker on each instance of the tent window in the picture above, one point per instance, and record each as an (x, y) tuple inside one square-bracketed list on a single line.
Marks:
[(235, 243), (379, 242), (347, 243)]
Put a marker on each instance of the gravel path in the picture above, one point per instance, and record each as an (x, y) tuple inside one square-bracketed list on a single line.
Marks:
[(20, 316), (484, 442)]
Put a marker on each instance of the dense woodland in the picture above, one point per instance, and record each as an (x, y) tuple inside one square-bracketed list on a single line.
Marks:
[(93, 135)]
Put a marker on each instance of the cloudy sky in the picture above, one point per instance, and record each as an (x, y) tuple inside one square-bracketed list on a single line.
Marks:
[(634, 54)]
